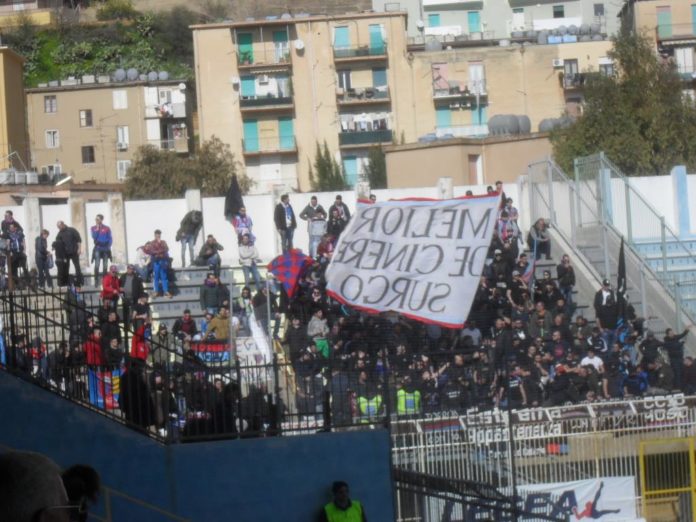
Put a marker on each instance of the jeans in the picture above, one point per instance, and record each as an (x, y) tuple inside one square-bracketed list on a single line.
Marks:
[(313, 245), (254, 271), (103, 258), (542, 247), (190, 241), (286, 239), (43, 273), (567, 293), (159, 270), (214, 263)]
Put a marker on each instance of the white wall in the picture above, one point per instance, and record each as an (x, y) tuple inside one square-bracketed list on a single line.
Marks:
[(143, 217)]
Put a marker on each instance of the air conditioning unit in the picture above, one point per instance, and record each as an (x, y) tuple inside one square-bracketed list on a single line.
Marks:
[(122, 145), (263, 79), (557, 62)]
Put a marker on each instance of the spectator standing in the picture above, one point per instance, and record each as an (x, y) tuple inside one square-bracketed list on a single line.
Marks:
[(248, 257), (315, 215), (285, 222), (336, 224), (158, 251), (111, 287), (7, 221), (674, 346), (188, 231), (132, 287), (17, 247), (606, 310), (341, 207), (42, 256), (538, 239), (243, 224), (209, 256), (68, 247), (566, 279), (101, 235)]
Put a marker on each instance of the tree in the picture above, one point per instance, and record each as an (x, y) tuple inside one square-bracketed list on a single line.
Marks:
[(160, 174), (639, 116), (329, 174), (376, 168)]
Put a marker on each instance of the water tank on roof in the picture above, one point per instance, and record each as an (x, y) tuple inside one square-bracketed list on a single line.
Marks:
[(585, 29), (163, 76), (597, 37), (32, 178), (595, 28), (20, 178), (517, 34), (543, 38), (585, 38), (152, 76), (142, 77), (120, 75), (573, 29), (286, 16), (531, 34), (7, 176), (132, 74), (524, 123), (547, 125), (562, 29), (503, 124)]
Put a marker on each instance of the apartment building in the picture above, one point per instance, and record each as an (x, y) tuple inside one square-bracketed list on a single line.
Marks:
[(90, 128), (274, 89), (672, 25), (13, 129), (460, 20), (36, 12)]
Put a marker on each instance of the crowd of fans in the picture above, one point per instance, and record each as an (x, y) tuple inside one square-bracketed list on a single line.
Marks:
[(526, 342)]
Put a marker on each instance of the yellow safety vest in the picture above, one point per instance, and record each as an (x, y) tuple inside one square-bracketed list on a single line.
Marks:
[(353, 514), (407, 403)]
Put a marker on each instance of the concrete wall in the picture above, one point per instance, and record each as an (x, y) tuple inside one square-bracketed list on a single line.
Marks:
[(241, 480)]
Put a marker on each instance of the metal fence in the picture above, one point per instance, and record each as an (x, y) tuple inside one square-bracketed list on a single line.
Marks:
[(546, 445)]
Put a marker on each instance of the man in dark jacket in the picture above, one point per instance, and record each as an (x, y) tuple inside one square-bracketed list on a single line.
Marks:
[(674, 346), (341, 207), (213, 294), (185, 327), (132, 287), (41, 257), (285, 222), (607, 311), (188, 232), (68, 247)]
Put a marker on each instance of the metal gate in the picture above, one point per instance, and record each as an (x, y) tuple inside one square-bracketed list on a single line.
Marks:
[(668, 479)]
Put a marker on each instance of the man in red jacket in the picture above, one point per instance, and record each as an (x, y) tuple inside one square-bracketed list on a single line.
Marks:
[(93, 349), (111, 287)]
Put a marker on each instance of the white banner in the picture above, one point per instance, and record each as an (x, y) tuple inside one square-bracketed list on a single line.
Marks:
[(421, 258), (609, 498)]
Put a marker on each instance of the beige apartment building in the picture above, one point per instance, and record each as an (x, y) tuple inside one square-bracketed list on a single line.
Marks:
[(13, 129), (273, 89), (672, 25), (90, 128)]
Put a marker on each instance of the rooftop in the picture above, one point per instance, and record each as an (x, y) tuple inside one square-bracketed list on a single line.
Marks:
[(289, 19), (89, 82)]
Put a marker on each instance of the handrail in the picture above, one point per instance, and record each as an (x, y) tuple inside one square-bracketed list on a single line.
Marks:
[(109, 492)]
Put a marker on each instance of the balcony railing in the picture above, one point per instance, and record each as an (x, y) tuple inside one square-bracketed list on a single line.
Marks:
[(456, 91), (577, 80), (676, 32), (276, 144), (259, 102), (178, 145), (265, 55), (365, 51), (462, 131), (365, 137), (358, 95)]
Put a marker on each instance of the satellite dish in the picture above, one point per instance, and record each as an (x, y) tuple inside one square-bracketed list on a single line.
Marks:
[(152, 76), (234, 80), (163, 75), (142, 77), (299, 44), (132, 74), (182, 86), (120, 75), (420, 25)]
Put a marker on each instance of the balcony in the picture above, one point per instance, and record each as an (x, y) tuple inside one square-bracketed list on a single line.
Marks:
[(363, 138), (673, 34), (576, 81), (462, 131), (270, 102), (362, 53), (456, 92), (264, 56), (362, 96), (274, 145), (178, 145)]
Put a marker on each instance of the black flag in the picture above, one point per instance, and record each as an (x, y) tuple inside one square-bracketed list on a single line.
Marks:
[(621, 287), (233, 199)]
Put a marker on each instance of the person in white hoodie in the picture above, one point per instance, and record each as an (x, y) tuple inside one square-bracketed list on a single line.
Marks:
[(248, 257)]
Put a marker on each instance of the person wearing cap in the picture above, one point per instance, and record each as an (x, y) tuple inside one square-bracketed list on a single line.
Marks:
[(111, 287), (342, 208), (158, 250)]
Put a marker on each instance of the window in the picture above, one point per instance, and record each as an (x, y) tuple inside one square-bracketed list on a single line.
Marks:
[(122, 167), (50, 103), (52, 170), (344, 81), (52, 139), (558, 11), (120, 100), (599, 9), (88, 154), (122, 138), (434, 20), (606, 69), (165, 96), (86, 118)]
